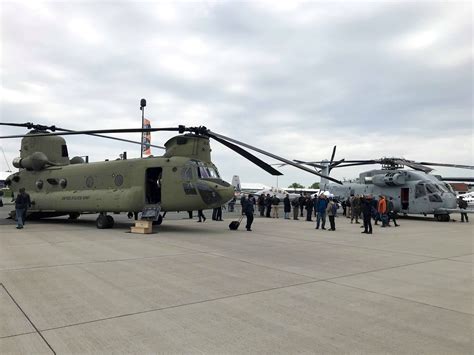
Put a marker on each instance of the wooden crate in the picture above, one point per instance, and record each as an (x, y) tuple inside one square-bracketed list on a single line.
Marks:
[(142, 227), (144, 224)]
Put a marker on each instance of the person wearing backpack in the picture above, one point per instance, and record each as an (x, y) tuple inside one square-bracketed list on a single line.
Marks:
[(331, 211)]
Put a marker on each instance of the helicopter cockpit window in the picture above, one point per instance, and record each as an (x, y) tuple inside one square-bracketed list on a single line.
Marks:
[(450, 189), (187, 173), (420, 190), (208, 172), (431, 188)]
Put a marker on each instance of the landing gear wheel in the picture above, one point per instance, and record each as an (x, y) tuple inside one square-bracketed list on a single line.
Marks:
[(110, 221), (442, 217), (158, 221), (102, 221)]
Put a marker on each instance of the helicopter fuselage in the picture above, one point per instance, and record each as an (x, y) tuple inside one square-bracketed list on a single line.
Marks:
[(124, 185), (183, 179), (413, 192)]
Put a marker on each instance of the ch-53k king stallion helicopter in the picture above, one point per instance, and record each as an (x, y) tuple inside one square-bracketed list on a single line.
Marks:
[(413, 191), (183, 179)]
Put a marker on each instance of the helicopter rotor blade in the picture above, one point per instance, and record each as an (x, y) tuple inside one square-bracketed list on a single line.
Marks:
[(113, 138), (413, 165), (332, 155), (289, 162), (313, 164), (98, 131), (247, 155), (354, 164), (448, 165)]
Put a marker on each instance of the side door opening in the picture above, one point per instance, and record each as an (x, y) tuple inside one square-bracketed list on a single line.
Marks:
[(405, 197), (153, 185)]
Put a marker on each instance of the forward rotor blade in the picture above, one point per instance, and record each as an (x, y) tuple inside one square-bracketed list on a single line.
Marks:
[(248, 155), (448, 165), (289, 162)]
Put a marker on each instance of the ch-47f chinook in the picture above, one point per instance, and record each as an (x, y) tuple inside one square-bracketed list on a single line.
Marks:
[(415, 191), (183, 179)]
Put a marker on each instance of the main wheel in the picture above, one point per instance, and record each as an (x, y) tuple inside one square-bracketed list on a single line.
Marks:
[(110, 221), (74, 215), (102, 221)]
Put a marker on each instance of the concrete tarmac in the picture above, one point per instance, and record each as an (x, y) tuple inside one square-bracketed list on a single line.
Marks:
[(67, 287)]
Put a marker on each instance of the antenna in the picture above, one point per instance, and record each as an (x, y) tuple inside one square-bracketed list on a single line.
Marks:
[(142, 108), (6, 161)]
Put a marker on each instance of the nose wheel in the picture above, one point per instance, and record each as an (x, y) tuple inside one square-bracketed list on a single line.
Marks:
[(104, 221), (442, 217)]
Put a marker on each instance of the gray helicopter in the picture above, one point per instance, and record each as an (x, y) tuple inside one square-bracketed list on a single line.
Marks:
[(414, 191)]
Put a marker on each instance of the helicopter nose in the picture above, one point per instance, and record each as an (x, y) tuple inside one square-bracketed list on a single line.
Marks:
[(227, 193)]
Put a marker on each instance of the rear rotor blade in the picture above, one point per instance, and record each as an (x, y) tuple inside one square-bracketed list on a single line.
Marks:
[(113, 138), (289, 162), (96, 131)]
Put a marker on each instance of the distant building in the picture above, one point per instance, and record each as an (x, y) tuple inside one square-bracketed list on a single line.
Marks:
[(460, 187)]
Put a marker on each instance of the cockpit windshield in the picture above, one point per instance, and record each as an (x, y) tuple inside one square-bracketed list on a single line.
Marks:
[(431, 188), (207, 172)]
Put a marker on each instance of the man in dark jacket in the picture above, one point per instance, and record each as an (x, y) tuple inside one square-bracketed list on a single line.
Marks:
[(261, 204), (309, 208), (296, 204), (287, 206), (463, 205), (22, 202), (321, 210), (248, 210), (392, 215), (268, 205), (301, 201), (366, 205)]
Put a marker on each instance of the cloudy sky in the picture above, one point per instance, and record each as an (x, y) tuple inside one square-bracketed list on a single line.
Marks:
[(295, 78)]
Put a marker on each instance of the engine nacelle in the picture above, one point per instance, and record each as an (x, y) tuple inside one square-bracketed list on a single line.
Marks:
[(36, 161), (389, 179)]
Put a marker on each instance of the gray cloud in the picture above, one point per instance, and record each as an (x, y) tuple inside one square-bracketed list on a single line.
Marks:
[(375, 79)]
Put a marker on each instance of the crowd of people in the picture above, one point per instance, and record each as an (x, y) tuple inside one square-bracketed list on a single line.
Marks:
[(323, 208)]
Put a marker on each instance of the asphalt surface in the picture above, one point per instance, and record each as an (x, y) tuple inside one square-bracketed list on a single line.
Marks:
[(67, 287)]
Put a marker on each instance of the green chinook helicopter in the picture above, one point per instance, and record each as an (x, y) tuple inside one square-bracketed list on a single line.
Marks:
[(183, 179)]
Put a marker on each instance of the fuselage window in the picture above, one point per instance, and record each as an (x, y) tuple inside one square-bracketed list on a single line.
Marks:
[(420, 190)]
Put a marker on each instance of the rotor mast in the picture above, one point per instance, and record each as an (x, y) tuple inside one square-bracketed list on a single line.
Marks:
[(142, 108)]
